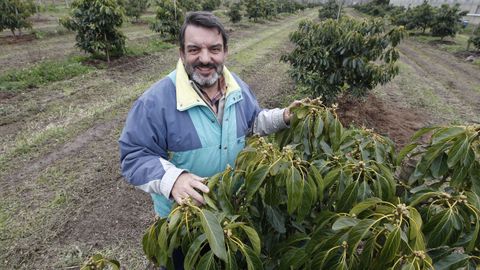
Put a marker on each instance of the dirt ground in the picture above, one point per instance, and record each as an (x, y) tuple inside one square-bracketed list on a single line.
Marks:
[(63, 197)]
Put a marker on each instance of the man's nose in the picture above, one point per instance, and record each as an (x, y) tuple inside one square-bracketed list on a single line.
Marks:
[(204, 56)]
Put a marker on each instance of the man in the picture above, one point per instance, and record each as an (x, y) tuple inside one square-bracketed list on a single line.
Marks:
[(192, 123)]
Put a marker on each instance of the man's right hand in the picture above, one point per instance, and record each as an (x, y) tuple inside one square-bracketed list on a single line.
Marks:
[(189, 185)]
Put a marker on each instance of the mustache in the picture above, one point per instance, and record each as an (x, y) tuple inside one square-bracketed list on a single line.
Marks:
[(200, 65)]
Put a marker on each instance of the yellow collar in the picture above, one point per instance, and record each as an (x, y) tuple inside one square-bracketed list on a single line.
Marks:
[(187, 97)]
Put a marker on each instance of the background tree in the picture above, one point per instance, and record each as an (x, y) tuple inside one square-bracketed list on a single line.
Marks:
[(447, 21), (330, 10), (168, 20), (135, 8), (270, 9), (189, 5), (346, 56), (96, 23), (475, 39), (255, 9), (14, 14), (234, 12), (422, 16), (210, 5)]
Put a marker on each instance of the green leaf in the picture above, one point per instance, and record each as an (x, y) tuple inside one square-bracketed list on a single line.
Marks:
[(207, 261), (415, 229), (253, 237), (391, 247), (344, 222), (318, 131), (193, 252), (451, 262), (445, 134), (439, 166), (362, 206), (253, 261), (254, 180), (294, 183), (214, 233), (458, 150), (348, 197), (275, 218), (422, 132)]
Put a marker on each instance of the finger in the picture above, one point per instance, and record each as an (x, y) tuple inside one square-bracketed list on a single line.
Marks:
[(200, 186), (180, 197), (198, 178), (196, 196)]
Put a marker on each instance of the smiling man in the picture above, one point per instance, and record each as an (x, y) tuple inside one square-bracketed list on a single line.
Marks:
[(192, 123)]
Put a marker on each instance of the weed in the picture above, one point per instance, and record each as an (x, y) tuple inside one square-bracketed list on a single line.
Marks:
[(42, 73)]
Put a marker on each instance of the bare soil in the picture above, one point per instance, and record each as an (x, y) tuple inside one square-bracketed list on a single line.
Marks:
[(67, 200)]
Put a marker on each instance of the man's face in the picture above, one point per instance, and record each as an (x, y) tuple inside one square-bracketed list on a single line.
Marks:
[(204, 54)]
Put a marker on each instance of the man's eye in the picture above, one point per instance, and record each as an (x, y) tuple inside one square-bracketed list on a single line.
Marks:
[(193, 50), (216, 50)]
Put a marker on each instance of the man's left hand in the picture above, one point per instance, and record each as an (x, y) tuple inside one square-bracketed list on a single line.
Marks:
[(287, 114)]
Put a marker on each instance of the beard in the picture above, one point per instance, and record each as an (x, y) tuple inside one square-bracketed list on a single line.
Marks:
[(201, 80)]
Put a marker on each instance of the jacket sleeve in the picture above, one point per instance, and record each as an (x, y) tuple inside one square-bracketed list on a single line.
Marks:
[(143, 152), (269, 121)]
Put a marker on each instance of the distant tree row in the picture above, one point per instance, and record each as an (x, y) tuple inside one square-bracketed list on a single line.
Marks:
[(14, 15), (442, 21), (262, 9)]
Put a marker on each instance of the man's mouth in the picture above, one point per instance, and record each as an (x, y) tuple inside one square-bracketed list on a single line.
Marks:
[(205, 70)]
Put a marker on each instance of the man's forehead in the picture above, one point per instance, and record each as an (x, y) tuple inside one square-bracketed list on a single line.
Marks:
[(197, 34)]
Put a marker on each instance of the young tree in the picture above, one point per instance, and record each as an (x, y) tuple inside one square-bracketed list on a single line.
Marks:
[(96, 23), (447, 21), (135, 8), (14, 14), (422, 16), (234, 13), (255, 9), (210, 5), (346, 56), (329, 10), (169, 18)]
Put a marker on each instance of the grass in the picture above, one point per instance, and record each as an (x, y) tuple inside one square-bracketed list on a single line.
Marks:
[(458, 43), (152, 46), (44, 72)]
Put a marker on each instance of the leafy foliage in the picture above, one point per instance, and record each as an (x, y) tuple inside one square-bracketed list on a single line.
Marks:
[(447, 21), (421, 16), (475, 40), (234, 13), (330, 10), (210, 4), (135, 8), (169, 17), (322, 196), (14, 14), (335, 57), (96, 23)]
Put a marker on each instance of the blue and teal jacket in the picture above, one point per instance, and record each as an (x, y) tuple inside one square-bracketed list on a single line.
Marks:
[(171, 129)]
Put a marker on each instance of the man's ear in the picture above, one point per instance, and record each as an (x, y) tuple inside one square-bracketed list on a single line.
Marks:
[(181, 53)]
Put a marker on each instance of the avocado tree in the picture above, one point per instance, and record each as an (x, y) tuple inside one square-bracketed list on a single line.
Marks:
[(235, 13), (330, 10), (96, 23), (255, 9), (135, 8), (168, 20), (322, 196), (332, 57), (447, 21), (422, 16), (14, 15)]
